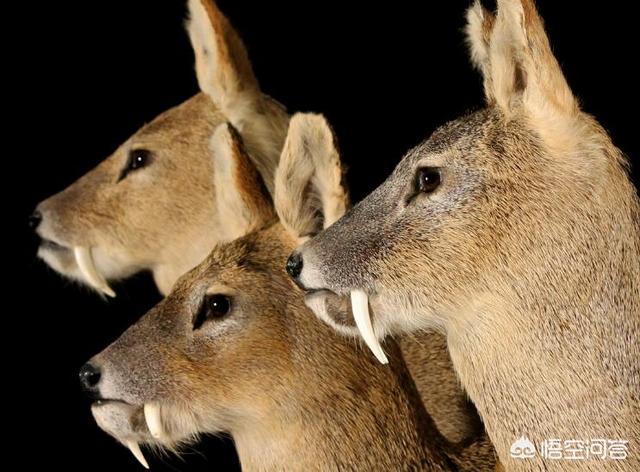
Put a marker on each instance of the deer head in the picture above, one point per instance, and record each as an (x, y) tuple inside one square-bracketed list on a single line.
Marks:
[(234, 349), (148, 206), (515, 230)]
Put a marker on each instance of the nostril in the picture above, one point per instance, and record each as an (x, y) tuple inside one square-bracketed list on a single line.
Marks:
[(294, 265), (34, 220), (89, 377)]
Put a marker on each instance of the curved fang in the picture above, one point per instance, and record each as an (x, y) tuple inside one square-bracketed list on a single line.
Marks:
[(360, 308), (154, 422), (87, 267), (134, 447)]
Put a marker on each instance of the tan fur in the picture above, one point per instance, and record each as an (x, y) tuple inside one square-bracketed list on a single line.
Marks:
[(307, 175), (222, 65), (479, 27), (225, 73), (241, 207), (292, 393), (300, 173), (521, 74), (427, 358), (163, 219), (527, 255)]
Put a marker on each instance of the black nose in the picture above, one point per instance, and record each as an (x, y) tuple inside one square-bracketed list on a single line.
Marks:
[(34, 220), (89, 378), (294, 265)]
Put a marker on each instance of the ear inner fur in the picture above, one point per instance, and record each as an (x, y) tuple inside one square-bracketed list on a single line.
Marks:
[(243, 202), (524, 71), (479, 27), (223, 67), (529, 261), (309, 178)]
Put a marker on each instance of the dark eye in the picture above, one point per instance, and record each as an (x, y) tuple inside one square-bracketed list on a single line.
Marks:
[(213, 307), (427, 179), (138, 158)]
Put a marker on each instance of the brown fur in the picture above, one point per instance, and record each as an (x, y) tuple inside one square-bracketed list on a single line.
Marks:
[(429, 363), (301, 178), (162, 218), (237, 197), (292, 393), (527, 255)]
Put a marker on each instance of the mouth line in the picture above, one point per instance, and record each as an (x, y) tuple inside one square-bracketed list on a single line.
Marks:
[(110, 401), (50, 245), (310, 292), (315, 291), (131, 436), (361, 315)]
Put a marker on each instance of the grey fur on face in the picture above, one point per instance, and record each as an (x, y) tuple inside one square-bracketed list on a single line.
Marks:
[(526, 255)]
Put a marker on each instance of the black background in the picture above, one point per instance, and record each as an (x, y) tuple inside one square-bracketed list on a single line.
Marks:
[(86, 75)]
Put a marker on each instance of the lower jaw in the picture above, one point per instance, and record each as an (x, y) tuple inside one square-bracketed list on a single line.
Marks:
[(359, 312), (333, 310), (47, 244), (119, 419), (124, 420), (77, 264), (59, 258), (125, 423)]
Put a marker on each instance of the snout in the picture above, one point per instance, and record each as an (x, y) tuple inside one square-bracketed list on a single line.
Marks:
[(35, 219), (329, 281), (90, 375), (65, 247), (330, 306), (132, 395), (44, 222), (303, 270), (294, 267)]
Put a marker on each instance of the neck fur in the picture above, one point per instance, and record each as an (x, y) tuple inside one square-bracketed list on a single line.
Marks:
[(359, 417), (550, 347), (551, 369)]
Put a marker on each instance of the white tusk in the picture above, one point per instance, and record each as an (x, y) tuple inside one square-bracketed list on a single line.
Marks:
[(134, 447), (360, 308), (88, 269), (154, 422)]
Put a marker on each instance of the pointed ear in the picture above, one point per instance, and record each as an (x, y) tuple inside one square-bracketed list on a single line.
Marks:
[(479, 27), (513, 53), (309, 183), (242, 199), (222, 64)]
